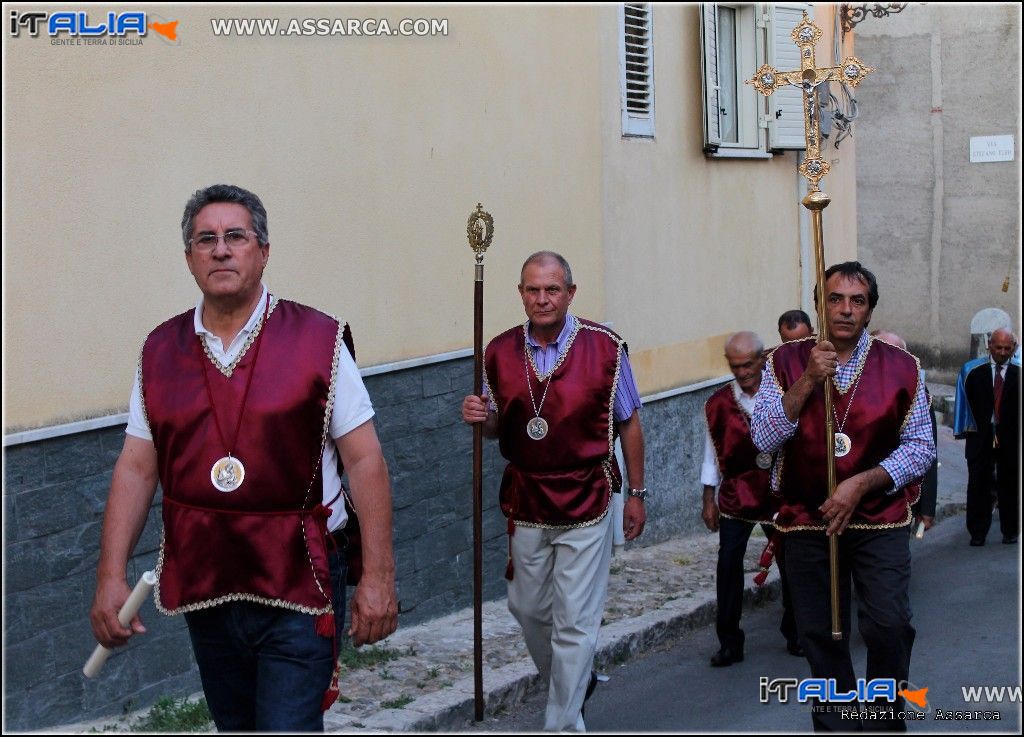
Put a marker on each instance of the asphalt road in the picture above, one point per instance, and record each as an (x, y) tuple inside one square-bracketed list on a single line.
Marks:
[(966, 605)]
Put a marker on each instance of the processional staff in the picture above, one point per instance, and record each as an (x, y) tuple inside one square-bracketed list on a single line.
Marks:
[(766, 80), (479, 231)]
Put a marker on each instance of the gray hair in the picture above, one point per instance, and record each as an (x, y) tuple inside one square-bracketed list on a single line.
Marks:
[(225, 193), (546, 256), (745, 341)]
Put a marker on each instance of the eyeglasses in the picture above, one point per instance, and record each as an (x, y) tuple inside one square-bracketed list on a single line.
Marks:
[(233, 239)]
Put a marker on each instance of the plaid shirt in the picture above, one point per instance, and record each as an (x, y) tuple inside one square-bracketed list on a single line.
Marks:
[(770, 427)]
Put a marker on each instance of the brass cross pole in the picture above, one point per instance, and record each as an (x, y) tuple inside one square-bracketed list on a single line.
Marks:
[(766, 80)]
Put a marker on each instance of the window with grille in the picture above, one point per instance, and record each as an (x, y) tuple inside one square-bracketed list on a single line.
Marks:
[(637, 69)]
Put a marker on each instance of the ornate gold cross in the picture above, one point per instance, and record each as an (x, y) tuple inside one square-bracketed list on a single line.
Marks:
[(767, 79)]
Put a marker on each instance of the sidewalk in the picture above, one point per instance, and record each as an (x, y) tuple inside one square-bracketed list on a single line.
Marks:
[(655, 593)]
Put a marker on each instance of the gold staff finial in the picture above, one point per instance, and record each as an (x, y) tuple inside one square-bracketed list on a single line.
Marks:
[(479, 231)]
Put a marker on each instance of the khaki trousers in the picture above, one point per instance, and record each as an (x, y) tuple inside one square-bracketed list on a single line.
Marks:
[(557, 594)]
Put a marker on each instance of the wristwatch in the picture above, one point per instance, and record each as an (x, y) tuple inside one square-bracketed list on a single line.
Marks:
[(639, 493)]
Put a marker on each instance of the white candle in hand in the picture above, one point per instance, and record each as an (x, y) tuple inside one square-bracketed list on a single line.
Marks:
[(128, 610)]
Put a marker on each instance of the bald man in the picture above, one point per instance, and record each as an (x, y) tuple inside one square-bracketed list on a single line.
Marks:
[(734, 466), (890, 337), (987, 415)]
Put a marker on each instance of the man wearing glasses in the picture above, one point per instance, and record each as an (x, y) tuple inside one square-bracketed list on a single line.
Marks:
[(245, 410)]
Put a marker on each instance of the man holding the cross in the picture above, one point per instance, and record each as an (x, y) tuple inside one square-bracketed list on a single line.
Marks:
[(558, 390), (883, 445)]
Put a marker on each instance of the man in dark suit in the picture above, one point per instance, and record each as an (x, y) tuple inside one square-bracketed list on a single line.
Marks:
[(987, 414)]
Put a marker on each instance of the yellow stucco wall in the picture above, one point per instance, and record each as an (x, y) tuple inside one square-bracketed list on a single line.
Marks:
[(699, 248), (369, 153)]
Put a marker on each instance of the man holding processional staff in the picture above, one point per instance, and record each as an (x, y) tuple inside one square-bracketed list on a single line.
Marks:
[(558, 389), (883, 445), (849, 463)]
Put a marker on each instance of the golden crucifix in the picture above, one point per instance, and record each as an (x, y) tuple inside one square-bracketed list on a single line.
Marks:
[(766, 80)]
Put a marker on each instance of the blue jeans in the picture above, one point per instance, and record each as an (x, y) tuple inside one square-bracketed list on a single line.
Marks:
[(265, 668)]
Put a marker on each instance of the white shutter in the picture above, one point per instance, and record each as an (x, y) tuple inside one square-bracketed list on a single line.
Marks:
[(637, 69), (709, 69), (785, 106)]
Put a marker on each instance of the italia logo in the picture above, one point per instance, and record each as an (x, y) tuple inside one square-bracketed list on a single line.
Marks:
[(80, 24)]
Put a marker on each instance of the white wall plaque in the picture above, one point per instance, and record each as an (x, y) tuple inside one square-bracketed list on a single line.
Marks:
[(991, 148)]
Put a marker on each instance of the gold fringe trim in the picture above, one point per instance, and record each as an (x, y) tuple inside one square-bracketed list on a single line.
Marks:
[(748, 521), (861, 360), (907, 519), (615, 386), (210, 603), (142, 394), (230, 368), (606, 465), (541, 378), (328, 410), (913, 399), (576, 526), (331, 395)]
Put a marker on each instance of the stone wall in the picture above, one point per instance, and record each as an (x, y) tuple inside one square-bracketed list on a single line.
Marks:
[(55, 491), (940, 232)]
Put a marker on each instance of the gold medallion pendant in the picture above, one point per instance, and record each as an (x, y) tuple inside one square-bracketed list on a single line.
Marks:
[(537, 428), (227, 474)]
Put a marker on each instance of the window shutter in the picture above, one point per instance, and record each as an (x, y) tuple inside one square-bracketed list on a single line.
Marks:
[(637, 79), (709, 69), (785, 106)]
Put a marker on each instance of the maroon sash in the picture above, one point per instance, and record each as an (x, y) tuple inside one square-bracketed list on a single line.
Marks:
[(880, 407), (265, 541), (745, 491), (566, 478)]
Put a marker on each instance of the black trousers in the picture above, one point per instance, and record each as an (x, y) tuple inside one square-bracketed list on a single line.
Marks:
[(733, 535), (877, 562), (993, 469)]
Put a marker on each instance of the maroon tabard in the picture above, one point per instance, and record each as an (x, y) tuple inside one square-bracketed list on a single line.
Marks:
[(880, 407), (566, 478), (745, 491), (264, 541)]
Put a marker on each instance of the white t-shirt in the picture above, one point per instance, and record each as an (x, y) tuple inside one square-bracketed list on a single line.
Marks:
[(352, 405)]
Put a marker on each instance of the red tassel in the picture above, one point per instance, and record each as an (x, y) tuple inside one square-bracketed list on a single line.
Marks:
[(511, 526), (508, 570), (330, 697), (767, 556), (334, 690), (325, 624)]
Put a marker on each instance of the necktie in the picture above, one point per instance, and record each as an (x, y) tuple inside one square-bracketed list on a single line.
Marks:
[(997, 392)]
